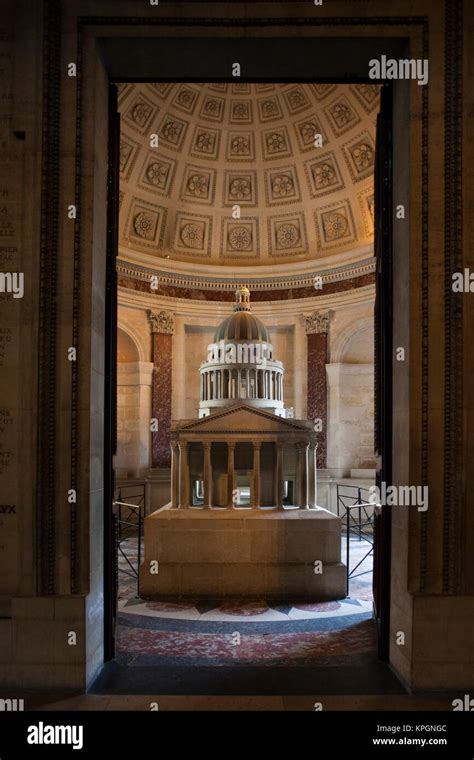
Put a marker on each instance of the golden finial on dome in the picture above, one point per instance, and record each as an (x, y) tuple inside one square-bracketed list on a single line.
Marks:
[(242, 298)]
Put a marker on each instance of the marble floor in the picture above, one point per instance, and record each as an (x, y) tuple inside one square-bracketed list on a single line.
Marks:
[(196, 646)]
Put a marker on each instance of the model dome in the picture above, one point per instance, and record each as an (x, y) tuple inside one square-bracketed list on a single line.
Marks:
[(242, 325), (240, 366)]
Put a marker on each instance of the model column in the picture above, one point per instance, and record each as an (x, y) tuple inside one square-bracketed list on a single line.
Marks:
[(312, 498), (230, 474), (279, 476), (162, 328), (256, 475), (317, 327), (183, 474), (174, 474), (207, 474), (302, 454)]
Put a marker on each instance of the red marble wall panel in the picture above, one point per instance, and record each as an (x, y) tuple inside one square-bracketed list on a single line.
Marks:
[(317, 389), (161, 399)]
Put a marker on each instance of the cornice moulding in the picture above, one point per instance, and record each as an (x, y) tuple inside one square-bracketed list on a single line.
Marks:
[(300, 274)]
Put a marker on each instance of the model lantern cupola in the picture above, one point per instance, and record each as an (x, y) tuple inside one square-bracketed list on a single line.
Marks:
[(240, 364)]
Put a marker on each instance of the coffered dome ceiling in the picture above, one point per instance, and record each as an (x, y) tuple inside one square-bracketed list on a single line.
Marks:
[(252, 146)]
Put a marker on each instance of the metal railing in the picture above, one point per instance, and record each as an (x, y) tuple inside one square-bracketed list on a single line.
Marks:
[(129, 509), (357, 513)]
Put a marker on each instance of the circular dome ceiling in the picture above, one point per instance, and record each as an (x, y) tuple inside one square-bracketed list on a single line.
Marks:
[(248, 149)]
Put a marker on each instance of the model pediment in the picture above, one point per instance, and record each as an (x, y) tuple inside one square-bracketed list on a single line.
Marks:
[(243, 418)]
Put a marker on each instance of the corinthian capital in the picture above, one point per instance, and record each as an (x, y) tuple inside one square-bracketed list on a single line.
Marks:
[(316, 323), (161, 322)]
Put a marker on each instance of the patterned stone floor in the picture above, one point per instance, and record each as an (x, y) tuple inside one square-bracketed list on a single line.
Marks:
[(250, 632)]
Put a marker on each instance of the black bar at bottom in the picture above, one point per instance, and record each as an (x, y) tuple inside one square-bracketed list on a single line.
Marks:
[(381, 734)]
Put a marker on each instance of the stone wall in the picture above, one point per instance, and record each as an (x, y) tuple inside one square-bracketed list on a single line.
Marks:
[(133, 418), (350, 417)]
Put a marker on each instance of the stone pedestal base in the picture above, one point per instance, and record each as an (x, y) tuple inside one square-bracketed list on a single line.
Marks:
[(292, 554)]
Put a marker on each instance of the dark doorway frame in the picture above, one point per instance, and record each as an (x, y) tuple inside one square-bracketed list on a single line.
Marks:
[(383, 318), (312, 61), (110, 390)]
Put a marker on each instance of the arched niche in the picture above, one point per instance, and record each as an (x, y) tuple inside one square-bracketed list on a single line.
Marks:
[(127, 350), (350, 378), (355, 343), (359, 349), (133, 405)]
